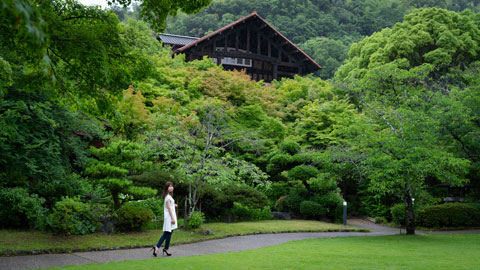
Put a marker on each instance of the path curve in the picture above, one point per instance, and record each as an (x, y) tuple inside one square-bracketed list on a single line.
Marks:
[(231, 244)]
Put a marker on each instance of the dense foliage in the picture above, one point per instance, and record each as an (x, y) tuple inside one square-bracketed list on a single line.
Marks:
[(95, 116)]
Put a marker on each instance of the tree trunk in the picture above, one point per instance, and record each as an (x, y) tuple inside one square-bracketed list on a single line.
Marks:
[(116, 200), (409, 215)]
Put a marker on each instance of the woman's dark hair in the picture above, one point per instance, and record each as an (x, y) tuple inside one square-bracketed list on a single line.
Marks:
[(165, 189)]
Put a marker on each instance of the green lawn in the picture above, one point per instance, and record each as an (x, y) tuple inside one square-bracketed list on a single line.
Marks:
[(432, 252), (23, 240)]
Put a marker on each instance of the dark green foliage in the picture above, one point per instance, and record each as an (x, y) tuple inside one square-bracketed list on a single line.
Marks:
[(38, 143), (157, 180), (71, 216), (241, 212), (311, 209), (18, 209), (216, 202), (303, 172), (133, 217), (294, 199), (333, 204), (449, 215), (195, 220)]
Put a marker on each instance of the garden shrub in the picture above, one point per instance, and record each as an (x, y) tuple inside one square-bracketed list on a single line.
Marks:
[(219, 201), (333, 203), (154, 204), (241, 212), (449, 215), (18, 209), (131, 217), (294, 199), (71, 216), (398, 214), (311, 209), (196, 219), (380, 220)]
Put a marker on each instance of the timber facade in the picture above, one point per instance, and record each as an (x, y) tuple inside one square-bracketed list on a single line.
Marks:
[(251, 44)]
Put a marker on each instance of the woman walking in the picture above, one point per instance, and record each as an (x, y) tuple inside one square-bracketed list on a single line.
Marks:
[(169, 220)]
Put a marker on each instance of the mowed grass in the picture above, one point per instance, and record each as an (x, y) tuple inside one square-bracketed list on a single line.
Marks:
[(432, 252), (31, 240)]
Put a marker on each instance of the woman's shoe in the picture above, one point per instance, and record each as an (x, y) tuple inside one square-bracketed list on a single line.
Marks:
[(155, 249), (166, 252)]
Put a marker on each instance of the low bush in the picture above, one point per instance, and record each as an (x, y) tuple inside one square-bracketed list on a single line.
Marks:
[(294, 199), (241, 212), (18, 209), (131, 217), (220, 201), (71, 216), (398, 214), (311, 209), (195, 220), (333, 203), (154, 204), (380, 220), (449, 215)]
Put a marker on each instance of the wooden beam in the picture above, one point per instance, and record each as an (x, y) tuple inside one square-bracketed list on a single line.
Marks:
[(248, 39), (239, 54), (258, 43), (269, 48), (275, 71), (237, 39)]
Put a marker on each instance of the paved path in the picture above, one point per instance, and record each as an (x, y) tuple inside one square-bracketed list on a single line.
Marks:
[(207, 247)]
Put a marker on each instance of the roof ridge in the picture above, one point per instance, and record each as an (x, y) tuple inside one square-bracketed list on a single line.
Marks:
[(181, 49), (167, 34)]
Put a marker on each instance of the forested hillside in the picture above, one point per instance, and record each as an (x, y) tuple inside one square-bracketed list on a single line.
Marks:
[(95, 117), (325, 29)]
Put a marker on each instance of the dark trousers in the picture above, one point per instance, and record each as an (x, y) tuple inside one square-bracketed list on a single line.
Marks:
[(165, 237)]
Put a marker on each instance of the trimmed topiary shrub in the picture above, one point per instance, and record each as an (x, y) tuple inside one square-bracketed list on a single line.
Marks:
[(132, 217), (449, 215), (311, 209), (71, 216)]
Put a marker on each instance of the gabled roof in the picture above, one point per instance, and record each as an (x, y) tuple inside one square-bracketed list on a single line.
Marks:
[(176, 39), (252, 15)]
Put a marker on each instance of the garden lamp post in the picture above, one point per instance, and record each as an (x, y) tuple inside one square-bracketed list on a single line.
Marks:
[(344, 213)]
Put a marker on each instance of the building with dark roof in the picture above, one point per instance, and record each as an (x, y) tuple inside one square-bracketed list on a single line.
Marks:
[(175, 41), (253, 45)]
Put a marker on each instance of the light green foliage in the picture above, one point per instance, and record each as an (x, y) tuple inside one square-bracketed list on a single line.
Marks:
[(195, 219), (426, 43), (321, 121)]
